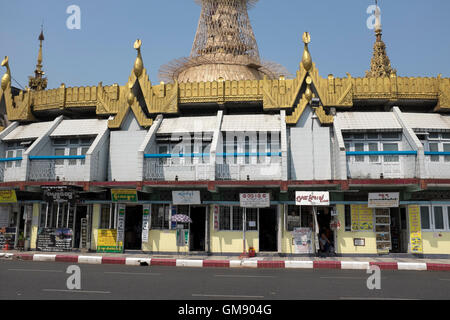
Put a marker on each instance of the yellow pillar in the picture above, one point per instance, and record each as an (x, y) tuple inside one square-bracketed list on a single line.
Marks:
[(95, 223), (35, 225)]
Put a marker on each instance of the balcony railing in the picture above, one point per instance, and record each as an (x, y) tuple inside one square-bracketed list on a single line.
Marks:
[(251, 169), (181, 167), (437, 165), (381, 164), (46, 168)]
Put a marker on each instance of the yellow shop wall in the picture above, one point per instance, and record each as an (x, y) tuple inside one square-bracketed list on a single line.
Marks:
[(433, 245), (345, 245)]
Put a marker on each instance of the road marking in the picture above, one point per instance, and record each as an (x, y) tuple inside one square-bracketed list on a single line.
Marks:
[(352, 278), (76, 291), (360, 298), (241, 276), (35, 270), (135, 273), (226, 296), (444, 279)]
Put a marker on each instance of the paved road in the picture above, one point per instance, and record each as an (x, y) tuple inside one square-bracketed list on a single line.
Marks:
[(41, 280)]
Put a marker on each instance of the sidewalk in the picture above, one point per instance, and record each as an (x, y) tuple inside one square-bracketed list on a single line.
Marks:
[(355, 263)]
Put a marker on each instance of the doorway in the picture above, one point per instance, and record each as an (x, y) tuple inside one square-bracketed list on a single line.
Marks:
[(268, 229), (197, 234), (324, 222), (133, 228), (398, 230), (81, 213)]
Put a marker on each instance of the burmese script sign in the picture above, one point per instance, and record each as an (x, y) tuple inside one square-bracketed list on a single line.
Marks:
[(186, 197), (415, 229), (312, 198), (254, 200), (384, 200)]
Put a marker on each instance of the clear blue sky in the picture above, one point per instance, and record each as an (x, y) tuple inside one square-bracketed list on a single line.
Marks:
[(416, 34)]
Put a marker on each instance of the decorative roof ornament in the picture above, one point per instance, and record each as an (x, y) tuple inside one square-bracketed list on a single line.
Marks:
[(38, 82), (380, 66), (6, 79), (224, 47), (139, 63), (306, 59)]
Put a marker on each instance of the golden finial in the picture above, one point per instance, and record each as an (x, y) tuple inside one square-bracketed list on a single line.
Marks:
[(6, 79), (131, 97), (308, 92), (139, 63), (306, 60), (38, 82)]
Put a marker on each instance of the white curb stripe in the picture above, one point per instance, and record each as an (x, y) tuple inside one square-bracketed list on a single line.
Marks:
[(355, 265), (2, 255), (235, 263), (44, 257), (90, 259), (189, 263), (136, 261), (412, 266), (299, 264), (249, 264)]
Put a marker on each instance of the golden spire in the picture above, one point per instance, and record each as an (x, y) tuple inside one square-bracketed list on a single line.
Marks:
[(380, 66), (38, 82)]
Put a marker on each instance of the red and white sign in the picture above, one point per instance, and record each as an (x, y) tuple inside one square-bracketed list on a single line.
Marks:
[(312, 198), (255, 200), (216, 218), (384, 200)]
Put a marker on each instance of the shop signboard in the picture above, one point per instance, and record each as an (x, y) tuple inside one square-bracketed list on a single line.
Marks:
[(415, 229), (254, 200), (107, 241), (54, 240), (84, 234), (4, 216), (124, 195), (121, 225), (312, 198), (59, 193), (146, 223), (216, 218), (384, 200), (362, 218), (186, 197), (8, 196), (359, 242), (301, 240)]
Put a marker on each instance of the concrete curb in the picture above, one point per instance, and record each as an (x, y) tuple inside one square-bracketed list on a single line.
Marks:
[(245, 263)]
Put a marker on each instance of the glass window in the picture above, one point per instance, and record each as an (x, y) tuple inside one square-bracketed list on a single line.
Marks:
[(438, 218), (390, 147), (237, 218), (434, 147), (19, 155), (390, 135), (372, 136), (9, 155), (359, 147), (293, 218), (84, 151), (225, 218), (373, 147), (163, 150), (347, 136), (60, 142), (348, 218), (252, 219), (86, 141), (59, 152), (446, 136), (425, 218), (160, 216), (235, 150), (73, 152), (105, 216), (447, 149), (73, 141), (358, 136), (306, 217), (247, 150), (433, 135)]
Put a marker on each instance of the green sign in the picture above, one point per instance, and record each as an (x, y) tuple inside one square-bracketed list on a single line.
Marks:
[(124, 195)]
